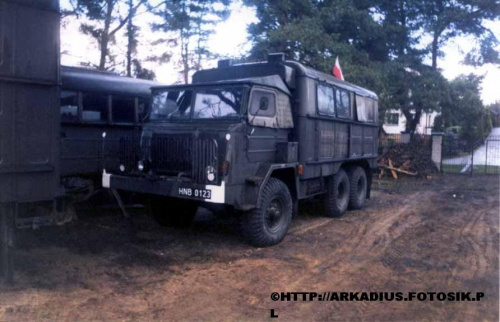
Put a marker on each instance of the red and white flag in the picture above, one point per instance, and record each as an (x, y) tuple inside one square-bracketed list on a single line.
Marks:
[(337, 72)]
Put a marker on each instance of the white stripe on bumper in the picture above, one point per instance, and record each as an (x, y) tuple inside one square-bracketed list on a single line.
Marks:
[(106, 178), (218, 193)]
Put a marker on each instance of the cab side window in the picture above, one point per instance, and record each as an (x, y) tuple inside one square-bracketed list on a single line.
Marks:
[(263, 103), (69, 106), (269, 108)]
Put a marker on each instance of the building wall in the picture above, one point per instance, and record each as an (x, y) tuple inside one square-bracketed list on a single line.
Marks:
[(424, 127)]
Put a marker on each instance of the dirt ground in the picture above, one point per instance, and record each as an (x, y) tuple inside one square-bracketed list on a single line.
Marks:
[(424, 235)]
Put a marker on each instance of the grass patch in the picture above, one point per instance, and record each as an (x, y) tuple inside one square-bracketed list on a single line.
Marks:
[(478, 169), (452, 168)]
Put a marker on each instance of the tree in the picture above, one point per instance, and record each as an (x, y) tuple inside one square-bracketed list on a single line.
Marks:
[(495, 113), (316, 32), (193, 20), (141, 72), (465, 108), (415, 91), (131, 34), (444, 19), (105, 19), (377, 53), (400, 22)]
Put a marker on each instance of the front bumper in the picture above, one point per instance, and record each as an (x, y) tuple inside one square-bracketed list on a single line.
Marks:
[(169, 187)]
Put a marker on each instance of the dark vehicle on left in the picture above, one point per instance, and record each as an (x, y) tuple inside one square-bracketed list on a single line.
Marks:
[(29, 116), (94, 103), (52, 121)]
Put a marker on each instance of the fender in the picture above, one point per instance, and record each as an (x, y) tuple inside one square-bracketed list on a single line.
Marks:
[(262, 177)]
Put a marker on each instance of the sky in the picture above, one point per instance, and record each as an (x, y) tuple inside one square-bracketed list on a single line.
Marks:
[(230, 39)]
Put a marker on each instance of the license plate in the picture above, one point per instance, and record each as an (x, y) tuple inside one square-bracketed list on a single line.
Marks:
[(195, 193)]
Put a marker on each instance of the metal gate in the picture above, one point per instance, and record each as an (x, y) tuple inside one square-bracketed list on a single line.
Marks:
[(492, 155), (461, 157)]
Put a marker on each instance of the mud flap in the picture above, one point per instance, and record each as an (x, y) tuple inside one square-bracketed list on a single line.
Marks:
[(6, 243)]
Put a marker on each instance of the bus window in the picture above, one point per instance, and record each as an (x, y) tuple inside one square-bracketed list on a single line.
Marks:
[(123, 109), (69, 106), (95, 108)]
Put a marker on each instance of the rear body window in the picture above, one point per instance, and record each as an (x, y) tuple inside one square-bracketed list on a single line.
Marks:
[(370, 105), (95, 108), (366, 109), (343, 105), (69, 106), (326, 100)]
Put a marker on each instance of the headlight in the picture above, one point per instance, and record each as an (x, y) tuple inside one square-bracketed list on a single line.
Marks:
[(140, 166), (210, 173)]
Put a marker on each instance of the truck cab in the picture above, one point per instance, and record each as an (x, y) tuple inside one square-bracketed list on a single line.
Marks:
[(255, 137)]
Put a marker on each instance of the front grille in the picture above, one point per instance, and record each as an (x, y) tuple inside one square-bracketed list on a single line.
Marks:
[(173, 155)]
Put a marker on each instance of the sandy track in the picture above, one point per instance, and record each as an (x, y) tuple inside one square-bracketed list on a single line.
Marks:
[(440, 235)]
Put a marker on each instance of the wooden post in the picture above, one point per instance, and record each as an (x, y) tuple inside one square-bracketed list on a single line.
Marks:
[(6, 242)]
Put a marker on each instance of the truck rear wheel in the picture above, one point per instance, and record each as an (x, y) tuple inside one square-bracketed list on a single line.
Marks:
[(359, 185), (337, 196), (268, 224), (170, 212)]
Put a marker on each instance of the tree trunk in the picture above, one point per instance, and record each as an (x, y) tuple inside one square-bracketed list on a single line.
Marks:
[(412, 120), (105, 35), (130, 37), (185, 63), (435, 49)]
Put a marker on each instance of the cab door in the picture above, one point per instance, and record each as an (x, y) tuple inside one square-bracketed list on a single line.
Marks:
[(270, 119)]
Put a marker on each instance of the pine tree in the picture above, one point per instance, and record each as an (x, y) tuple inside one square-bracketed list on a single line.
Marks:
[(193, 20), (445, 19), (106, 18)]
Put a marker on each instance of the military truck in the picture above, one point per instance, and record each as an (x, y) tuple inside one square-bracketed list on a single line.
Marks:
[(258, 138)]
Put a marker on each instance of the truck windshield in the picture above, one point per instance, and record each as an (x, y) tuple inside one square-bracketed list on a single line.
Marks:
[(197, 103)]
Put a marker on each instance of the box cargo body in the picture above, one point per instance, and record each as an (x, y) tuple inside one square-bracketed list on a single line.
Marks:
[(29, 100)]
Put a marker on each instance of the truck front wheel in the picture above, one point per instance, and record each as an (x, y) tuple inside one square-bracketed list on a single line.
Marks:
[(268, 224), (170, 212), (337, 196)]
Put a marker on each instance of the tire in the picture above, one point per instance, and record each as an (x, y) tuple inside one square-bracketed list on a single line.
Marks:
[(359, 186), (170, 212), (268, 224), (336, 200)]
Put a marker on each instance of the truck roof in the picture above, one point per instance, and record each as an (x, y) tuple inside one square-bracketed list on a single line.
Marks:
[(49, 5), (270, 81), (286, 70), (315, 74), (82, 79)]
